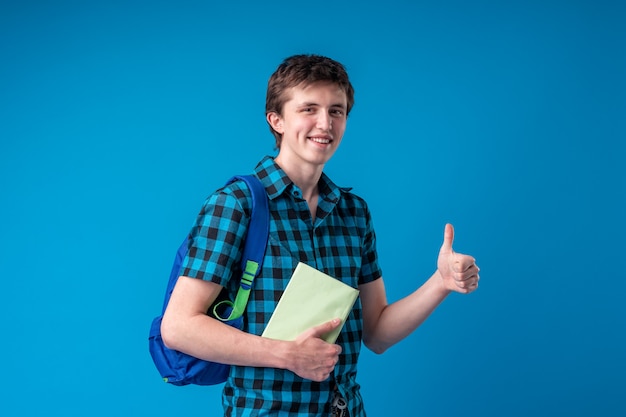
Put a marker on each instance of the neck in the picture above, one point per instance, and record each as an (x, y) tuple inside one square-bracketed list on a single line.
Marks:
[(305, 176)]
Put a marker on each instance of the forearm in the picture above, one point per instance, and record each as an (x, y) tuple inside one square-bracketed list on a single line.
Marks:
[(308, 356), (206, 338), (401, 318)]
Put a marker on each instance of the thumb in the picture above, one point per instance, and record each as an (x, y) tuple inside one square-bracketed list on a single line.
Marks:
[(320, 330), (448, 238)]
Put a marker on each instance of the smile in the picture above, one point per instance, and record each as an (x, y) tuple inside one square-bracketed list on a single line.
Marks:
[(323, 141)]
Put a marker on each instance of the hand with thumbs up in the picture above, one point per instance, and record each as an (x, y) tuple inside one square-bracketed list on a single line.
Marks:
[(458, 272)]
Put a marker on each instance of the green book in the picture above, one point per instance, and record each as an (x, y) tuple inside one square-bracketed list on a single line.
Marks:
[(310, 299)]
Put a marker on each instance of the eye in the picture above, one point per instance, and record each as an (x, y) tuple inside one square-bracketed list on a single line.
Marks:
[(337, 113)]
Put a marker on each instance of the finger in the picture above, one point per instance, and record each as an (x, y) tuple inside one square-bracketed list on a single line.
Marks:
[(469, 284), (448, 238), (473, 285), (463, 263), (467, 275), (467, 281)]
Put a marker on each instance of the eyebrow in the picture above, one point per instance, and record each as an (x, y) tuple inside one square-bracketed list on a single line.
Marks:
[(311, 103)]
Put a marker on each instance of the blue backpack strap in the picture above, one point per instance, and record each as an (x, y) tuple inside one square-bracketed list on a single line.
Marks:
[(259, 227), (253, 252)]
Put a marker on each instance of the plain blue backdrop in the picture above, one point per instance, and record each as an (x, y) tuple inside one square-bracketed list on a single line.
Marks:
[(506, 119)]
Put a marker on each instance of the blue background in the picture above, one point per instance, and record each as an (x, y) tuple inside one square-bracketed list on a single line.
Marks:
[(507, 119)]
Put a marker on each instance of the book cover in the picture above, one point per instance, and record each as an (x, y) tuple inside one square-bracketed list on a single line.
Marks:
[(310, 299)]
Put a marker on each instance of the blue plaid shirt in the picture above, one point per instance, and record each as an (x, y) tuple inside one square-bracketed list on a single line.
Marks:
[(340, 242)]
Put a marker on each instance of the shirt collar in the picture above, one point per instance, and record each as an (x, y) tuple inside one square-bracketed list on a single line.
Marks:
[(276, 181)]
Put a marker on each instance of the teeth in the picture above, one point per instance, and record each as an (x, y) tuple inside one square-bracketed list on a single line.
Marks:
[(320, 140)]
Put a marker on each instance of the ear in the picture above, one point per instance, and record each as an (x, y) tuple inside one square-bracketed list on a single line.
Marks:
[(275, 121)]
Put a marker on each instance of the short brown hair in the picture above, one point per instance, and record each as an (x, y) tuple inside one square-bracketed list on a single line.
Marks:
[(305, 70)]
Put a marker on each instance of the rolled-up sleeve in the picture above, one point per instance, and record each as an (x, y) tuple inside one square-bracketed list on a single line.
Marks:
[(216, 239)]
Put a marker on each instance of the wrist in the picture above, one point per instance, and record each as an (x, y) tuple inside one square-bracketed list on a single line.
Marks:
[(440, 284), (280, 354)]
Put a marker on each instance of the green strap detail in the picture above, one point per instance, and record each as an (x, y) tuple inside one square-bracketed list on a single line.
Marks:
[(243, 294)]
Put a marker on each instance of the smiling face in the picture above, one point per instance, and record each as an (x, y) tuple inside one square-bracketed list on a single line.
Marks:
[(312, 123)]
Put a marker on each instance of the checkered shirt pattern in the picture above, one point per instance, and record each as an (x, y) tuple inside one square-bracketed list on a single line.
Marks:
[(341, 243)]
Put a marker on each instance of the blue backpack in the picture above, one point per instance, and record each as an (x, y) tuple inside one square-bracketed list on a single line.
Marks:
[(178, 368)]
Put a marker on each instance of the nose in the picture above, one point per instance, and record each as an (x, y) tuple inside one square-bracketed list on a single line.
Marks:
[(324, 121)]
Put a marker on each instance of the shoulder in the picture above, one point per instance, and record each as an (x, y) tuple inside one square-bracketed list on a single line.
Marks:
[(354, 204), (233, 196), (343, 196), (352, 198)]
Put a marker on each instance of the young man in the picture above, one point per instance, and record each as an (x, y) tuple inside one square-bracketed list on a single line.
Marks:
[(313, 221)]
